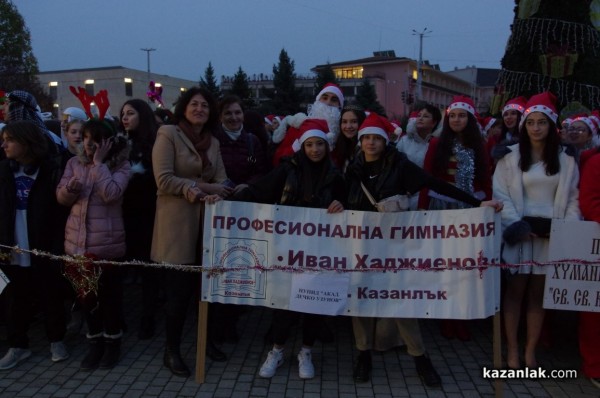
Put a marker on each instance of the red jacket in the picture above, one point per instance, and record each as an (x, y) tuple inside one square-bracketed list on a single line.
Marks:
[(589, 185), (284, 149), (485, 187)]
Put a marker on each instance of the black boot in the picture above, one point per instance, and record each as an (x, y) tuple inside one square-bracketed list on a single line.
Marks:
[(146, 328), (173, 361), (112, 353), (214, 353), (364, 364), (427, 372), (94, 354)]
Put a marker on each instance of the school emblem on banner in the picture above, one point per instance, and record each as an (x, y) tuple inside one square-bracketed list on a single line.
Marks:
[(242, 256)]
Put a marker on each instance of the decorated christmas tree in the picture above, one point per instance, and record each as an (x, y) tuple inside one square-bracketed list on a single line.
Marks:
[(554, 46)]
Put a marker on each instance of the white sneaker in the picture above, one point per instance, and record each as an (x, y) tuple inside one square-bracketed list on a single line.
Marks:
[(13, 357), (59, 351), (306, 369), (273, 361)]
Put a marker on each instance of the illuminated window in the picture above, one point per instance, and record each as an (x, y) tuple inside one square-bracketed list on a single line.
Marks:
[(53, 90), (89, 86), (349, 73), (128, 87)]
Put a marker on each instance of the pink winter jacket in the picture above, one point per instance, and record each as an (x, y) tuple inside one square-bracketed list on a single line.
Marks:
[(95, 224)]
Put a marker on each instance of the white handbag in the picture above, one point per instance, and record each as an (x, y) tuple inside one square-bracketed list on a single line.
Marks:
[(392, 204)]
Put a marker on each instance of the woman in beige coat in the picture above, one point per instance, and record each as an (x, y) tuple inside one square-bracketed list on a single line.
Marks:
[(188, 170)]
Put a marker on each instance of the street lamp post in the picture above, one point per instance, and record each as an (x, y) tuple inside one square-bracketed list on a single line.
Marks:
[(148, 50), (419, 95)]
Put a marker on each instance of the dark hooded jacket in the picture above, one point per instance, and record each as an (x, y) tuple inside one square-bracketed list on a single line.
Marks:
[(297, 181), (393, 174)]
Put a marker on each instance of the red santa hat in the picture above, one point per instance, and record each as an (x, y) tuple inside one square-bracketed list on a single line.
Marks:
[(565, 123), (308, 129), (544, 102), (269, 119), (332, 89), (587, 120), (397, 128), (377, 125), (595, 118), (487, 124), (515, 104), (414, 115), (3, 99), (462, 102)]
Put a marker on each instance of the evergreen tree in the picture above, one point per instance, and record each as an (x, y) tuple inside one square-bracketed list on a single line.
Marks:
[(324, 76), (554, 46), (285, 97), (209, 82), (241, 88), (18, 65), (367, 98)]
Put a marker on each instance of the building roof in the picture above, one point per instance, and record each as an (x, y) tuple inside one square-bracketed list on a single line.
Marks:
[(487, 77), (82, 70), (105, 68), (362, 61)]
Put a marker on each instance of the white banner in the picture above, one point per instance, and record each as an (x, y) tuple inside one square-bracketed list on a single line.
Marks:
[(3, 281), (572, 285), (411, 264)]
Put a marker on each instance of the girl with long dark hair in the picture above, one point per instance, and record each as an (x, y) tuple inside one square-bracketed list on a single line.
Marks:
[(139, 203), (306, 179), (346, 144), (537, 182)]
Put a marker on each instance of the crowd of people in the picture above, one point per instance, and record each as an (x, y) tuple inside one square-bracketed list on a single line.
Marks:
[(135, 187)]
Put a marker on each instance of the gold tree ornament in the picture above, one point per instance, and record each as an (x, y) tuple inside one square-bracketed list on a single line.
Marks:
[(528, 8), (559, 62)]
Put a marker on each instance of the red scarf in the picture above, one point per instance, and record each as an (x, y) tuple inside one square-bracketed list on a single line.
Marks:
[(201, 141)]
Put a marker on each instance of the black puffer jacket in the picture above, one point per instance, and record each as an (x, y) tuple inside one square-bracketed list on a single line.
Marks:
[(139, 203), (285, 185), (393, 174)]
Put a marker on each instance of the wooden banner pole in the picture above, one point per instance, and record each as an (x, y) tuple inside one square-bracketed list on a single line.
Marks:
[(498, 383), (201, 342)]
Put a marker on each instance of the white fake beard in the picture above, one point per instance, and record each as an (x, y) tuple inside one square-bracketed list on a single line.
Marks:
[(331, 114)]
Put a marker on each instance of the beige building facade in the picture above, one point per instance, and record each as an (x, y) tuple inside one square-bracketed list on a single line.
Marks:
[(121, 83), (395, 82)]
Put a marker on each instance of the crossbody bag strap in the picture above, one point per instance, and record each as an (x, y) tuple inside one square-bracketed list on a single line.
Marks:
[(369, 196)]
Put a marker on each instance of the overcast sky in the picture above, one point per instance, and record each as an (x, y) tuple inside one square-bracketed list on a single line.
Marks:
[(187, 34)]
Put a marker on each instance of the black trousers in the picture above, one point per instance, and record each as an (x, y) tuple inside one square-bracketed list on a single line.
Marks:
[(152, 282), (180, 288), (104, 315), (283, 321), (40, 285)]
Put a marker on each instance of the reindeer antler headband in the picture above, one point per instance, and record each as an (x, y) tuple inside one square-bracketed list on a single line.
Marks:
[(100, 99)]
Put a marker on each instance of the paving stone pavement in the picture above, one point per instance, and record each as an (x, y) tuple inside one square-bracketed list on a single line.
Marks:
[(140, 372)]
